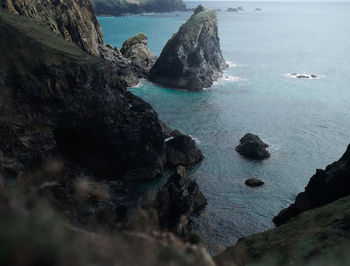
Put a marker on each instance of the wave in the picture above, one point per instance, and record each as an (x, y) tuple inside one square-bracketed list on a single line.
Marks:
[(195, 139), (230, 64)]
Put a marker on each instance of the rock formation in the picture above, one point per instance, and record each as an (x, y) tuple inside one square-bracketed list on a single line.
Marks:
[(177, 200), (253, 147), (253, 182), (59, 102), (136, 50), (316, 237), (122, 66), (74, 20), (192, 58), (182, 150), (324, 187), (118, 7)]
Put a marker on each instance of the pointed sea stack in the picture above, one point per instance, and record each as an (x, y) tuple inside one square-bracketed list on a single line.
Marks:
[(192, 58)]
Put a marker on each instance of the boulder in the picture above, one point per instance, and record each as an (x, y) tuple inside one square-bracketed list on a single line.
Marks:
[(177, 200), (253, 182), (182, 150), (253, 147), (136, 50), (324, 187), (191, 59)]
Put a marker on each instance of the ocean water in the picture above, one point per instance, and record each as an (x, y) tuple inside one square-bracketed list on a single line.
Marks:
[(305, 122)]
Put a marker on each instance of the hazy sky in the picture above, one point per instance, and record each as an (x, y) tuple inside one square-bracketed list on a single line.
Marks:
[(330, 1)]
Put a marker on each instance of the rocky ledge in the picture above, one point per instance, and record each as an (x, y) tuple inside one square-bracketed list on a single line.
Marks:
[(192, 58), (324, 187), (251, 146)]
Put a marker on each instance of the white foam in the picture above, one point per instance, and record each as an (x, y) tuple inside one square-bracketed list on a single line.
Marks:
[(167, 139), (195, 139), (303, 76), (230, 64)]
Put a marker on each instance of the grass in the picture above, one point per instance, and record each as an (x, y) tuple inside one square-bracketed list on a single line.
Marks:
[(310, 238), (21, 41)]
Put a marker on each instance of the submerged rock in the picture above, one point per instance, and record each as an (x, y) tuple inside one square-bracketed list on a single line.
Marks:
[(177, 200), (136, 50), (192, 58), (253, 182), (324, 187), (182, 150), (253, 147)]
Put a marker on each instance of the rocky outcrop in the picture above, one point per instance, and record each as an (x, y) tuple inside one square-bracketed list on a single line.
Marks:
[(316, 237), (182, 150), (136, 50), (64, 103), (118, 7), (254, 182), (122, 66), (251, 146), (324, 187), (177, 200), (74, 20), (192, 58)]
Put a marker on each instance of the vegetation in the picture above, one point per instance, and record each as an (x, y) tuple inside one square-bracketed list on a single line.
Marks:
[(316, 237)]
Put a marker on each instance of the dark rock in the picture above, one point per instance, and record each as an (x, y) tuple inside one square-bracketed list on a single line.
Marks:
[(182, 150), (313, 76), (240, 8), (62, 102), (324, 187), (136, 50), (177, 200), (253, 147), (122, 66), (253, 182), (192, 58), (232, 9), (258, 9)]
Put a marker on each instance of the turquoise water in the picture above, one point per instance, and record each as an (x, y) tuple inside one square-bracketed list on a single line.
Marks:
[(306, 122)]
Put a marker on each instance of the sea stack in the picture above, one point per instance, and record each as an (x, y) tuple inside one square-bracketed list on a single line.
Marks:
[(191, 59)]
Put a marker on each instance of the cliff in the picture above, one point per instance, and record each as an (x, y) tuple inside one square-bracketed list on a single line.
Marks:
[(324, 187), (316, 237), (62, 102), (192, 58), (120, 7), (74, 20)]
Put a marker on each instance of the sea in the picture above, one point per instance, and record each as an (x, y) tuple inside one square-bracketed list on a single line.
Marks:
[(306, 122)]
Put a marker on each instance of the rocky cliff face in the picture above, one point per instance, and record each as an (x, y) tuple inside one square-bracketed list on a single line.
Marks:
[(61, 102), (324, 187), (74, 20), (136, 50), (316, 237), (192, 58), (119, 7)]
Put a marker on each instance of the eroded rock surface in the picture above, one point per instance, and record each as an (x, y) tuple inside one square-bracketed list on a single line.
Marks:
[(192, 58), (324, 187)]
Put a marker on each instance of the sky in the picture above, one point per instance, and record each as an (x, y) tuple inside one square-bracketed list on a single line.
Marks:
[(330, 1)]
